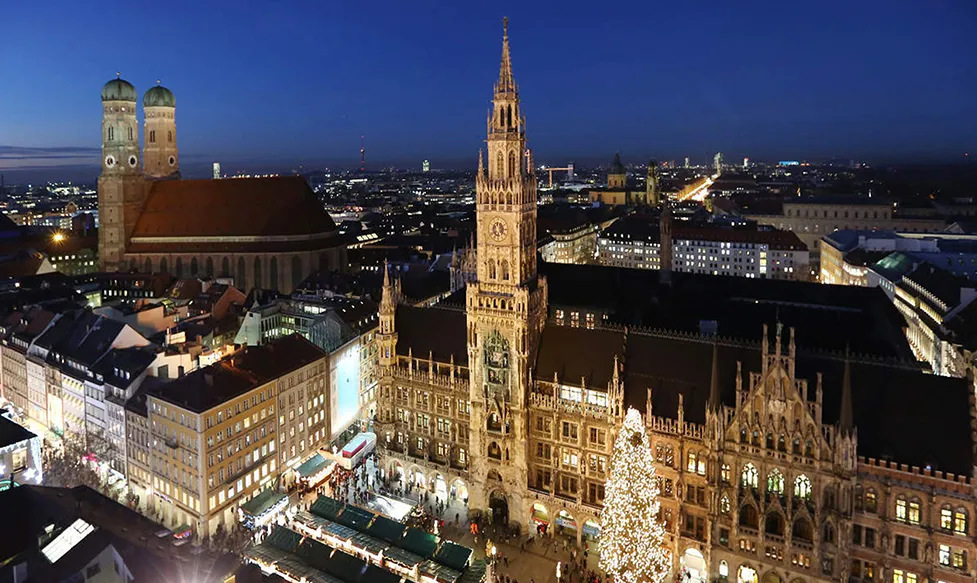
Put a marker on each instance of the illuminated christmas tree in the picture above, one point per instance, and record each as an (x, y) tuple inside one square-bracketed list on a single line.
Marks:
[(632, 542)]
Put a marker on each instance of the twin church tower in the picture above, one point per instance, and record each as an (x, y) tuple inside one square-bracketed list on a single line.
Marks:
[(123, 182)]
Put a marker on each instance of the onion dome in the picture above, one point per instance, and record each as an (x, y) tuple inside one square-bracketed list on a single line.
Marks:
[(119, 89), (159, 96)]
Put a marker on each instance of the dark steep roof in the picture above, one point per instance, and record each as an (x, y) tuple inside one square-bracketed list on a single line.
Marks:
[(232, 207), (575, 353), (436, 331)]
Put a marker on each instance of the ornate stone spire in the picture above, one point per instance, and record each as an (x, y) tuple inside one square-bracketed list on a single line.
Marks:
[(506, 82), (387, 297), (714, 402)]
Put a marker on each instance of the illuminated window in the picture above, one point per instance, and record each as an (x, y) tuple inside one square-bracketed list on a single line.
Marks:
[(802, 487), (871, 501), (750, 476), (946, 518), (724, 504), (692, 460), (775, 482), (901, 509), (724, 473), (960, 521), (914, 512)]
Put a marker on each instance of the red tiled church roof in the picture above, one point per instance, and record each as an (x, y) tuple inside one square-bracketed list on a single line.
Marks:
[(238, 207)]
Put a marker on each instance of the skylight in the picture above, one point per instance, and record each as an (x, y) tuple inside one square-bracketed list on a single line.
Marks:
[(67, 540)]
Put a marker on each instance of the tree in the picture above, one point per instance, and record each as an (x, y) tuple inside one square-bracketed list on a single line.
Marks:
[(632, 536)]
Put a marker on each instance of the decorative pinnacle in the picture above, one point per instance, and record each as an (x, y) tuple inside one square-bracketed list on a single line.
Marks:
[(506, 82), (505, 27), (118, 74)]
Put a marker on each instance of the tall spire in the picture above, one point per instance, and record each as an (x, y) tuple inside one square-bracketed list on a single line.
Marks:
[(506, 82), (714, 402), (845, 419), (387, 297)]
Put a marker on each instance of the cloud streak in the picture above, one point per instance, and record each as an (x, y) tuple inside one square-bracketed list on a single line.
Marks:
[(23, 158)]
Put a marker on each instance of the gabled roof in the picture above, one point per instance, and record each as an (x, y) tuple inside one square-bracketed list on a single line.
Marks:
[(237, 207)]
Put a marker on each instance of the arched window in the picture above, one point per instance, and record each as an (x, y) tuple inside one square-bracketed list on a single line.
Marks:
[(756, 437), (797, 446), (494, 451), (750, 477), (914, 507), (491, 268), (748, 516), (169, 136), (242, 275), (809, 448), (743, 435), (257, 281), (194, 267), (960, 521), (512, 164), (163, 267), (724, 473), (871, 501), (802, 487), (499, 165), (225, 267), (775, 482), (802, 530), (723, 569), (859, 498), (828, 533), (179, 267), (149, 265), (111, 134), (690, 467), (273, 274), (782, 444), (152, 136), (724, 505), (774, 524), (297, 274), (209, 267), (508, 116), (505, 270), (770, 441), (901, 509)]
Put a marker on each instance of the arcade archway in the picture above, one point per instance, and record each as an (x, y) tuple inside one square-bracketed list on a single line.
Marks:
[(458, 491), (746, 574), (693, 566), (499, 506)]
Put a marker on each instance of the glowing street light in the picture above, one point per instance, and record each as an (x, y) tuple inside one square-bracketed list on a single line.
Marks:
[(58, 237)]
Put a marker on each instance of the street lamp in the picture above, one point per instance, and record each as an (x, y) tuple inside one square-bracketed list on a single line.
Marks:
[(57, 237)]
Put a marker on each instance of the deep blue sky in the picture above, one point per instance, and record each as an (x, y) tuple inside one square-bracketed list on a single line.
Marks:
[(287, 81)]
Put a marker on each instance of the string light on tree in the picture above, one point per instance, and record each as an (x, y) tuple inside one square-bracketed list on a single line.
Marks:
[(632, 537)]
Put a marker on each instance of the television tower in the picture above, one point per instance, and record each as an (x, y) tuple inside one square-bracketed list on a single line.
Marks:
[(362, 153)]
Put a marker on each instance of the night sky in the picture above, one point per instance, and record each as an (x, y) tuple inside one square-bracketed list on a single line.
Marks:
[(283, 82)]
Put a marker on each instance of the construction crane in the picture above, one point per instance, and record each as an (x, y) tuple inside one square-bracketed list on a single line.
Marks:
[(568, 170)]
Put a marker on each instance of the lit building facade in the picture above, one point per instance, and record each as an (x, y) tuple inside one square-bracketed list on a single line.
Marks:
[(768, 459)]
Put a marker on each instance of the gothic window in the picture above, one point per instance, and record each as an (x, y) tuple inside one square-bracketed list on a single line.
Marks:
[(179, 267), (209, 267), (743, 435), (111, 134), (774, 524), (802, 530), (750, 477), (508, 117), (724, 505), (149, 265), (724, 473), (769, 441), (225, 266), (781, 444), (756, 437), (152, 136), (809, 448), (505, 270), (748, 516), (797, 446), (257, 272), (194, 267), (130, 134), (913, 511), (494, 451), (691, 459), (512, 167), (775, 482), (828, 533), (499, 164), (169, 136), (163, 268), (802, 487)]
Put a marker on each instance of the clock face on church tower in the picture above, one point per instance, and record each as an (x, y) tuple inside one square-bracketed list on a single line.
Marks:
[(498, 229)]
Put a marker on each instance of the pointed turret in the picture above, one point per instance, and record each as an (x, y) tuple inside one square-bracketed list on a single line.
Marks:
[(386, 298), (714, 402), (845, 417), (506, 84)]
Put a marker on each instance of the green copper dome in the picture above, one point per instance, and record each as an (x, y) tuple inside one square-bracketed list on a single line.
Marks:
[(159, 96), (119, 90)]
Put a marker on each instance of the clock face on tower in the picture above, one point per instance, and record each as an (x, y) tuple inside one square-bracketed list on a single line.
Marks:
[(498, 229)]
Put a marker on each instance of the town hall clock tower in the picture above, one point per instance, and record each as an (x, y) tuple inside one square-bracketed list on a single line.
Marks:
[(506, 307)]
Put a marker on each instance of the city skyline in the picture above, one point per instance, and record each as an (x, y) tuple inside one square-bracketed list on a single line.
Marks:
[(866, 83)]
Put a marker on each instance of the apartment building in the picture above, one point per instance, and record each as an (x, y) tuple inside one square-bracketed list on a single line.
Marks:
[(215, 434), (635, 242)]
